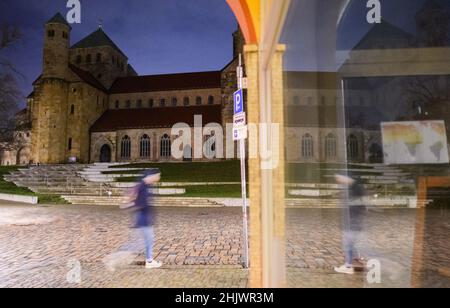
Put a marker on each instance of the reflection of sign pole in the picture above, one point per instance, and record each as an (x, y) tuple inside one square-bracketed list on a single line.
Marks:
[(240, 133)]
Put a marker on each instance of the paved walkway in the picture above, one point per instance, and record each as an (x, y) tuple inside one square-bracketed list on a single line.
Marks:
[(84, 246)]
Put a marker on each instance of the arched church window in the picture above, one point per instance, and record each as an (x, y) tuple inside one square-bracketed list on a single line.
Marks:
[(198, 100), (144, 148), (99, 57), (353, 147), (307, 146), (88, 58), (79, 59), (151, 103), (174, 101), (330, 146), (211, 100), (125, 149), (72, 109), (166, 150), (186, 101)]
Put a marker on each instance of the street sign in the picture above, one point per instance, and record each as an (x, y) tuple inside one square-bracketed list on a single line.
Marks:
[(244, 83), (238, 101), (239, 119), (240, 133)]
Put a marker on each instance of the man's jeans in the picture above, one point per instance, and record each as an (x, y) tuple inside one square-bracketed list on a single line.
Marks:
[(149, 236), (350, 239)]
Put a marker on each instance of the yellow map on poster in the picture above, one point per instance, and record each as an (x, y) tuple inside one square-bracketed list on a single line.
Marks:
[(423, 142)]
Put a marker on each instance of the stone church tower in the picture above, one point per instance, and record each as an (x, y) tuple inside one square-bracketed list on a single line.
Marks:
[(49, 108)]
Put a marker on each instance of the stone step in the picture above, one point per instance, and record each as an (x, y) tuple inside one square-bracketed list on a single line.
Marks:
[(182, 202)]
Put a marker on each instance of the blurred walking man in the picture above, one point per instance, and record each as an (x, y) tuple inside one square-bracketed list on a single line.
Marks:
[(355, 211), (143, 205)]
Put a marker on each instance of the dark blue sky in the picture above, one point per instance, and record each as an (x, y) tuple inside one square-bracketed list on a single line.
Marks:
[(309, 26), (159, 36)]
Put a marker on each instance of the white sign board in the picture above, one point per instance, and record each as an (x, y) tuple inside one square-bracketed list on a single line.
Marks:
[(240, 119), (240, 133)]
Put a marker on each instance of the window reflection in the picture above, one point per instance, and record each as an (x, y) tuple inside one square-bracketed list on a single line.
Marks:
[(367, 125)]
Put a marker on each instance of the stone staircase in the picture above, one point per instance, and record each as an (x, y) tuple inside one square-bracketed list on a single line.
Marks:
[(85, 185), (403, 202), (159, 201), (95, 172), (70, 182), (60, 180)]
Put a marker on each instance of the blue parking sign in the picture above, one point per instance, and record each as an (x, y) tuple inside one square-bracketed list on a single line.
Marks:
[(238, 102)]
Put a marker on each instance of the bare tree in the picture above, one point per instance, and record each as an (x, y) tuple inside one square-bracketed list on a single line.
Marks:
[(10, 94), (429, 98)]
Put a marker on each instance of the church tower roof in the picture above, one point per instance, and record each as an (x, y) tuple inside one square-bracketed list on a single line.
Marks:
[(387, 35), (97, 38), (58, 19)]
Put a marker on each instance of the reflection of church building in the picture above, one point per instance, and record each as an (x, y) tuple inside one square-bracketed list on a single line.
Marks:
[(90, 105), (336, 116)]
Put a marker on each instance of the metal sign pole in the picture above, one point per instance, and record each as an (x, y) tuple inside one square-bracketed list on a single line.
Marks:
[(244, 197), (240, 101)]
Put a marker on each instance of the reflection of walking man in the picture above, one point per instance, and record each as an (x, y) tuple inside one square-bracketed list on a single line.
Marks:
[(353, 221), (145, 215)]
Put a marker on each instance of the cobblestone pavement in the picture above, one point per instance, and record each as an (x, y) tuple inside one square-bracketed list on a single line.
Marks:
[(45, 247)]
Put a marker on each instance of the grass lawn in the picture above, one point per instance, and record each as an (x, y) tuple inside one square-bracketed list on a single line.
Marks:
[(426, 170), (229, 171), (226, 171), (316, 173), (213, 191), (11, 188)]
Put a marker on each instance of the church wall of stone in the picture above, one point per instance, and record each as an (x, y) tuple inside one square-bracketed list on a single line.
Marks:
[(144, 98), (56, 46), (103, 69), (114, 141), (88, 104), (312, 97), (100, 139), (294, 136), (49, 124), (8, 158)]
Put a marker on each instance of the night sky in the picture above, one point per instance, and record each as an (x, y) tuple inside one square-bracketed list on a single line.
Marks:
[(306, 32), (158, 36)]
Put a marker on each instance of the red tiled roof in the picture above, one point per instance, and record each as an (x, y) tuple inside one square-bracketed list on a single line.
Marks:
[(154, 83), (117, 119), (88, 78)]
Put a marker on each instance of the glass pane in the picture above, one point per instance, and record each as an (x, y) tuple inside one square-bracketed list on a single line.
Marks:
[(367, 104)]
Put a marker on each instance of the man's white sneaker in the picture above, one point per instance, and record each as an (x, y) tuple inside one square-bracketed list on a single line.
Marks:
[(344, 270), (153, 264)]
